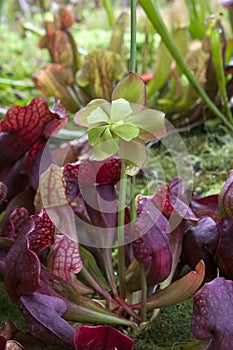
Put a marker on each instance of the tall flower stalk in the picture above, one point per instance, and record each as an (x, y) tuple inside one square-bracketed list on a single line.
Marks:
[(122, 197), (122, 127)]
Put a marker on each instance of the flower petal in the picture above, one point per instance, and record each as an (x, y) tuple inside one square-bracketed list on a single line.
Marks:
[(125, 131), (120, 110), (134, 153), (81, 117), (95, 133), (98, 116), (150, 122), (227, 3), (107, 147), (132, 88)]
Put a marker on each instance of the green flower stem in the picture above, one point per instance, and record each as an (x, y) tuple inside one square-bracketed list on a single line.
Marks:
[(152, 11), (132, 200), (142, 267), (143, 291), (121, 230), (133, 51), (216, 48), (132, 67), (107, 257), (94, 283)]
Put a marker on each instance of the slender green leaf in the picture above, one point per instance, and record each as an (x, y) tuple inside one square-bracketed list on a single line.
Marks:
[(215, 40), (109, 10), (179, 290), (17, 83), (89, 260)]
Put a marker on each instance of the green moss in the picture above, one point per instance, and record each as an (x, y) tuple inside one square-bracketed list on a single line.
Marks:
[(210, 158), (20, 58), (172, 326)]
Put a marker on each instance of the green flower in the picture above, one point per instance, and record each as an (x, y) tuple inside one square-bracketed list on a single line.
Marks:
[(123, 126)]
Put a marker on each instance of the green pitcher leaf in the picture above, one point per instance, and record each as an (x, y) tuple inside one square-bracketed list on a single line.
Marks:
[(77, 62), (59, 46), (117, 39), (132, 88), (100, 72), (89, 260), (56, 80), (51, 187), (125, 131), (64, 258), (161, 70), (95, 133)]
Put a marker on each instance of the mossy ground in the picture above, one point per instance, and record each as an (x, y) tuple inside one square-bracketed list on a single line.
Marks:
[(170, 328)]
